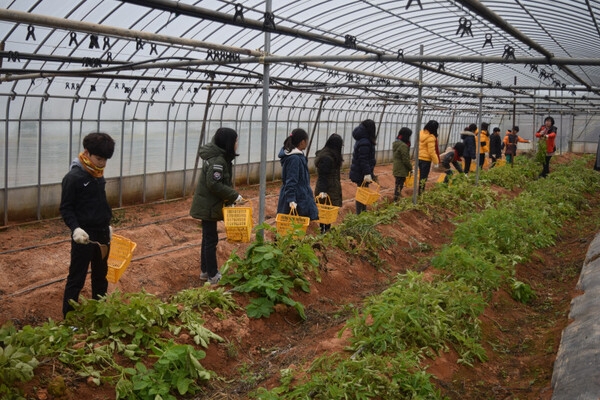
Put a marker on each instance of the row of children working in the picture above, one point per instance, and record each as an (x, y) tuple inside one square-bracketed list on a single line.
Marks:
[(86, 211), (473, 141)]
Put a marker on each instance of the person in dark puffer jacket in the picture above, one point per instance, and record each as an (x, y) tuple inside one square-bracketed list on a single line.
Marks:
[(363, 157), (295, 192), (329, 162)]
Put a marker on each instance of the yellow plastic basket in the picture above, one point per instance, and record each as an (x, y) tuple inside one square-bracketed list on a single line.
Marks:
[(287, 222), (328, 213), (238, 223), (367, 196), (121, 252), (410, 180)]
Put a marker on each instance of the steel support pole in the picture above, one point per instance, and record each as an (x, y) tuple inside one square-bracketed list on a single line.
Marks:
[(418, 132), (264, 133)]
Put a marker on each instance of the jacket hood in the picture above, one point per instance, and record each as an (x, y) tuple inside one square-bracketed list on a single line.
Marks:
[(467, 133), (211, 150), (284, 153), (360, 132)]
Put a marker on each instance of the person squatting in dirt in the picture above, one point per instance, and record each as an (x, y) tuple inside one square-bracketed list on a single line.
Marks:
[(454, 158), (85, 210)]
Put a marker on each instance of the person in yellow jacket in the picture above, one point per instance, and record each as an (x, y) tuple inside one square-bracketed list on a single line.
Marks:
[(483, 142), (428, 153)]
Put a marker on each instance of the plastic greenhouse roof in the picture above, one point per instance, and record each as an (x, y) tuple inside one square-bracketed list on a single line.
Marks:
[(462, 54)]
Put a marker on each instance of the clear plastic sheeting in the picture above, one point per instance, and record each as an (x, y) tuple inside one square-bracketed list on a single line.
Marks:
[(162, 75)]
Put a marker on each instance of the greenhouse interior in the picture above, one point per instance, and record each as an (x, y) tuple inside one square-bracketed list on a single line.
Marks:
[(160, 76)]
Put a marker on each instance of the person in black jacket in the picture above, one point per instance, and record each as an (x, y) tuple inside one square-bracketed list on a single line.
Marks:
[(85, 210), (496, 146), (363, 156), (329, 162), (468, 138)]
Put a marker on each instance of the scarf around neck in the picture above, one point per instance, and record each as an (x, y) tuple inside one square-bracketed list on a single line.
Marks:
[(89, 166)]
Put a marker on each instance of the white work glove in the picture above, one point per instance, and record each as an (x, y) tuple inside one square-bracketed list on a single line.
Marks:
[(293, 205), (110, 233), (80, 236), (368, 178), (436, 165), (240, 199), (323, 195)]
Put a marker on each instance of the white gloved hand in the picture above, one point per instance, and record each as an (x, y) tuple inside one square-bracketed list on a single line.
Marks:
[(80, 236), (293, 205), (240, 199), (368, 178), (323, 195), (436, 165), (110, 233)]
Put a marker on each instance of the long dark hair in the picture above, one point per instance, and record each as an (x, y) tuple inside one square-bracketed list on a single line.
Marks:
[(225, 138), (432, 127), (335, 144), (404, 135), (292, 141)]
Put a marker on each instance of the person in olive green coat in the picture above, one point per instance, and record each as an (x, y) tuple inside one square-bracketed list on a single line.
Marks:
[(213, 191), (402, 165)]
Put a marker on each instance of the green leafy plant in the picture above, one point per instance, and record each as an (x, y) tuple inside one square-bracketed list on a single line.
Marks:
[(521, 291), (272, 270)]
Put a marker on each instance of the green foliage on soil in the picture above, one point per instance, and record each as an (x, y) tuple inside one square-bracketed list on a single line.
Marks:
[(130, 340), (417, 318)]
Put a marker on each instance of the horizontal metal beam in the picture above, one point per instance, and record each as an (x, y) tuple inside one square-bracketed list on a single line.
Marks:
[(177, 7)]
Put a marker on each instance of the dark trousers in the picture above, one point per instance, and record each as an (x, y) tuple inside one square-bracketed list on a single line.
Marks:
[(467, 164), (398, 187), (360, 207), (208, 251), (546, 168), (325, 227), (481, 160), (82, 255), (424, 168), (494, 159)]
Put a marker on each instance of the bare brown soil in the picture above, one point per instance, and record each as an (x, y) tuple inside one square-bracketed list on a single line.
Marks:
[(521, 340)]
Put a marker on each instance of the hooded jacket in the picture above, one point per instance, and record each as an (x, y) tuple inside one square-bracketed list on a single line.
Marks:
[(214, 188), (295, 185), (427, 147), (363, 156), (483, 138), (468, 139), (402, 165)]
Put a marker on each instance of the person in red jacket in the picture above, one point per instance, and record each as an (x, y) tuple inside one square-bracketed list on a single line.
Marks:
[(547, 132)]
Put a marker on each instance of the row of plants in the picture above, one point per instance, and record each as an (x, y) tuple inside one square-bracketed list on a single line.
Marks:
[(418, 317), (121, 339)]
